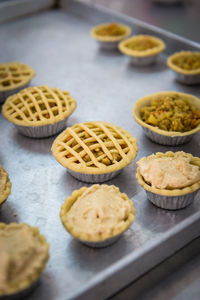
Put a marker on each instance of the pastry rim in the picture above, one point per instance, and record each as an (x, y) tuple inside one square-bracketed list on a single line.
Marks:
[(147, 99), (49, 121), (110, 38), (107, 169), (37, 270), (164, 192), (69, 201), (7, 190), (176, 68), (23, 82), (142, 53)]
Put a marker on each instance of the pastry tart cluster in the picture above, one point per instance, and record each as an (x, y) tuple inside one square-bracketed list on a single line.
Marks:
[(24, 253), (171, 180), (13, 77), (98, 215), (39, 111), (94, 148), (5, 185), (186, 66)]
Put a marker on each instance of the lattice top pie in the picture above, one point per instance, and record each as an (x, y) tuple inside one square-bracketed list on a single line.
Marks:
[(36, 106), (94, 148), (14, 74)]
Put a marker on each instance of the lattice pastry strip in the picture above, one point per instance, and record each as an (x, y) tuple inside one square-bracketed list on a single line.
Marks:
[(14, 74), (37, 106), (95, 147)]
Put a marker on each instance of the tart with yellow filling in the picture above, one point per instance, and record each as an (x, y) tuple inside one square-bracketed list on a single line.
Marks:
[(110, 34), (186, 66), (97, 215), (14, 76), (5, 185), (143, 49), (171, 180), (39, 111), (24, 253), (94, 151), (168, 118)]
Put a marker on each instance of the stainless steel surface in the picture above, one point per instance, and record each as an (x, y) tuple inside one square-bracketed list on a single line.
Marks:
[(58, 46)]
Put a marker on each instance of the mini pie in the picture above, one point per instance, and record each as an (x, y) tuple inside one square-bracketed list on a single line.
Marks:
[(5, 185), (110, 32), (142, 48), (186, 65), (94, 148), (38, 106), (157, 134), (97, 214), (171, 179), (24, 253), (13, 76)]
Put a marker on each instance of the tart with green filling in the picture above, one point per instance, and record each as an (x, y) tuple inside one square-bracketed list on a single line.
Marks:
[(5, 185), (98, 214), (24, 253)]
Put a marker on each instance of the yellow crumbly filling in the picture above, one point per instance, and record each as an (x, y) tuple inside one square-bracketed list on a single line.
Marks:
[(187, 62), (112, 29)]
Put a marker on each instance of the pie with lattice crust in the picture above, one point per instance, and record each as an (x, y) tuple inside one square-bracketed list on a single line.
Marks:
[(14, 75), (36, 106), (94, 148)]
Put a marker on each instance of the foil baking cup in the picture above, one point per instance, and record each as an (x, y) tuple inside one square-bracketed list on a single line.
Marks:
[(5, 94), (94, 178), (108, 45), (171, 202), (166, 140), (143, 61), (102, 244), (42, 131), (187, 79), (21, 294)]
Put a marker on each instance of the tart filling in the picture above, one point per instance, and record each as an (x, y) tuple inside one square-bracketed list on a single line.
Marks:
[(95, 148), (97, 213), (14, 74), (169, 173), (36, 106), (142, 45), (185, 62), (23, 253), (5, 185), (110, 32)]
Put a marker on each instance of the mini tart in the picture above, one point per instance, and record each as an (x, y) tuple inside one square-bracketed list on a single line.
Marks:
[(39, 111), (92, 222), (5, 185), (170, 198), (145, 56), (160, 136), (13, 77), (25, 253), (94, 148), (187, 76)]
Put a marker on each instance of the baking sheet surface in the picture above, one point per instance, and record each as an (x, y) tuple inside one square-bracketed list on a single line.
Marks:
[(58, 46)]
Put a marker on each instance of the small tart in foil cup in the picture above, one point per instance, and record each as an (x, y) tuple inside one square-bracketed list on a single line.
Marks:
[(109, 42), (97, 240), (157, 135), (171, 199), (6, 189), (5, 94), (185, 76)]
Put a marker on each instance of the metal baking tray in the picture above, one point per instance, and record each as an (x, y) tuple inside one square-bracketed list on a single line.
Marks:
[(57, 44)]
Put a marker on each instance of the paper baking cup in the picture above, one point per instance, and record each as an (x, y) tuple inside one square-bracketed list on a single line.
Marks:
[(166, 140), (5, 94), (102, 244), (94, 178), (21, 294), (42, 131), (171, 202), (144, 61), (187, 79)]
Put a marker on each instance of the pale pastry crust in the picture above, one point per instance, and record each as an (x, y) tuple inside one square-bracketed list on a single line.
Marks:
[(5, 185), (170, 192), (29, 258), (37, 106), (14, 74), (146, 100), (96, 36), (98, 205), (174, 67), (100, 142), (159, 47)]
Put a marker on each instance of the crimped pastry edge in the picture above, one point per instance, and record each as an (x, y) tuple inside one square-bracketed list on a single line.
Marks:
[(110, 38), (7, 191)]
